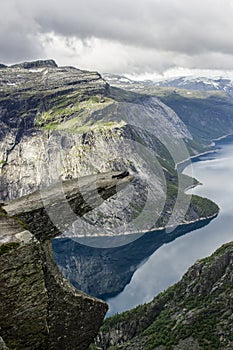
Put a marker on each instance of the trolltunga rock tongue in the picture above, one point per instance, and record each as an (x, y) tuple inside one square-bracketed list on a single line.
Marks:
[(39, 308), (50, 211)]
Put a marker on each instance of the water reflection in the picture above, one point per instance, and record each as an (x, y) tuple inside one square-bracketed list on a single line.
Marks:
[(104, 272), (169, 263), (134, 273)]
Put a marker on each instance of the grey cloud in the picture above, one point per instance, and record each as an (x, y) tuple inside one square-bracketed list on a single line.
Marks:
[(19, 47), (182, 32), (179, 26), (18, 34)]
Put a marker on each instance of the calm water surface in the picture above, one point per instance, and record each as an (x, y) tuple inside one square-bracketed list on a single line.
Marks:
[(171, 261)]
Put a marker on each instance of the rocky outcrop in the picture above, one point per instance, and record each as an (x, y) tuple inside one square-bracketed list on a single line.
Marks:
[(50, 211), (61, 122), (39, 308), (26, 96), (196, 313), (36, 64)]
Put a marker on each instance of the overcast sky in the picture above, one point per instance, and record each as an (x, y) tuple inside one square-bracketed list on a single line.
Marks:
[(120, 36)]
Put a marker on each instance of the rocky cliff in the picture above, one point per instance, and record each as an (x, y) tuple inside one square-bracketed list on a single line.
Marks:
[(196, 313), (25, 97), (39, 308), (59, 123)]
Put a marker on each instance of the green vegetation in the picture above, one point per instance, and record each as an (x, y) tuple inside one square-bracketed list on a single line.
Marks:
[(182, 311), (176, 93), (164, 331), (203, 206), (77, 126), (21, 223), (73, 115), (207, 115), (195, 147), (6, 247), (69, 107), (121, 95), (220, 251), (199, 207), (172, 192)]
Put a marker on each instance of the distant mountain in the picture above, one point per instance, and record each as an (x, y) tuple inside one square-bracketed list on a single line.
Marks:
[(185, 82), (200, 84), (123, 82), (205, 105)]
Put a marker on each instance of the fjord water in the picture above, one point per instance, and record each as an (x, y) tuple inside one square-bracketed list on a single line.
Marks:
[(168, 263)]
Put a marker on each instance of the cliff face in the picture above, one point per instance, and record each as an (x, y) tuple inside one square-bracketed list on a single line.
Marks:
[(39, 308), (60, 123), (196, 313), (25, 97), (57, 124)]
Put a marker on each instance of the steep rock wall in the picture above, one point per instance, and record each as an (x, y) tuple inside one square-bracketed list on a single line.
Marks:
[(195, 313), (39, 308)]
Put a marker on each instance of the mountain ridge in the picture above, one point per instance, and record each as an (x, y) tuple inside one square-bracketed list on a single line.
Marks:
[(60, 123), (195, 313)]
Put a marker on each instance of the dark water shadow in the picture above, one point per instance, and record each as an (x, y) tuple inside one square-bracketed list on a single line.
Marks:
[(104, 272)]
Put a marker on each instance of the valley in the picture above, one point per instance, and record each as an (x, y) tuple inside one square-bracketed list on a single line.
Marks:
[(70, 141)]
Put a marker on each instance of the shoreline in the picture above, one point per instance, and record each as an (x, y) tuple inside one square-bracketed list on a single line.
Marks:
[(222, 137), (182, 165), (213, 216), (200, 255)]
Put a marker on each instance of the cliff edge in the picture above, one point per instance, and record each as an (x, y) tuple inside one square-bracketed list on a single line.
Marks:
[(39, 308)]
